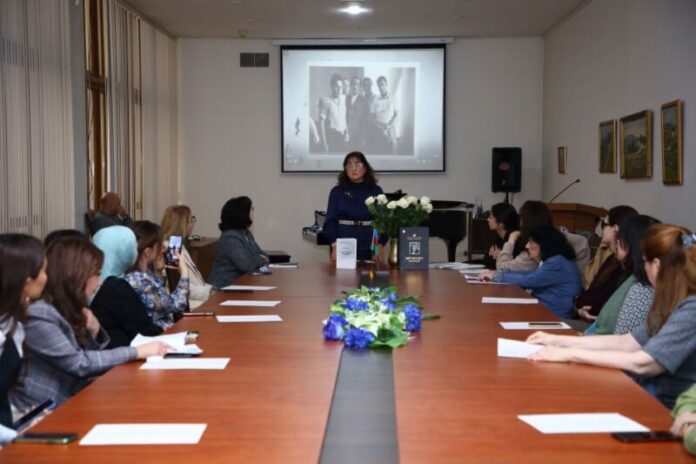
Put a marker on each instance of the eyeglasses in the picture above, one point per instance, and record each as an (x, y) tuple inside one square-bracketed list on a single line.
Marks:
[(355, 165)]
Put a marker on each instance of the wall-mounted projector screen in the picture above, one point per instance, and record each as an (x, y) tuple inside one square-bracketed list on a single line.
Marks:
[(386, 101)]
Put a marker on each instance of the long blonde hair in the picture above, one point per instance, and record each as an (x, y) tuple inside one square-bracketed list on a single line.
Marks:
[(175, 221)]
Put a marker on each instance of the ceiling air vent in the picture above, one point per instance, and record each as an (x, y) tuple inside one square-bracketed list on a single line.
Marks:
[(253, 60)]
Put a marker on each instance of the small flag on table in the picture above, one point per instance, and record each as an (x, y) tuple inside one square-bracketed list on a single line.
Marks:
[(374, 246)]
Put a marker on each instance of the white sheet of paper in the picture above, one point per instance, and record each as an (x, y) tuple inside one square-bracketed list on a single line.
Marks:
[(535, 325), (346, 253), (474, 280), (144, 434), (515, 349), (259, 318), (457, 266), (496, 300), (177, 340), (260, 303), (260, 288), (186, 363), (602, 422)]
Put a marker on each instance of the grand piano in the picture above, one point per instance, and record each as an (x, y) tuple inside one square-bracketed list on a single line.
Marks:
[(448, 221)]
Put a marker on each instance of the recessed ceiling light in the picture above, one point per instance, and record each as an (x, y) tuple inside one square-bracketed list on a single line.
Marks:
[(354, 8)]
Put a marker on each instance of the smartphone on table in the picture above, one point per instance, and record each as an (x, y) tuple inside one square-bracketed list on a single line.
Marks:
[(641, 437), (59, 438), (173, 247)]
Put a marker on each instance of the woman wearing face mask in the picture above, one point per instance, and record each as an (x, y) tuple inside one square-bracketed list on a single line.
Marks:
[(146, 276), (661, 353), (22, 279), (64, 341), (117, 307)]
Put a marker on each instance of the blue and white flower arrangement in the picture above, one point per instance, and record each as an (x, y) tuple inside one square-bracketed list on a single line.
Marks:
[(372, 317)]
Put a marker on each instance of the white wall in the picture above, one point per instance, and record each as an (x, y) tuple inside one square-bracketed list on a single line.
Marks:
[(229, 135), (612, 59)]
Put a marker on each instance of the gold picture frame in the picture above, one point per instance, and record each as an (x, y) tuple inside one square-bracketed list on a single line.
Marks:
[(607, 146), (671, 136), (635, 143), (562, 159)]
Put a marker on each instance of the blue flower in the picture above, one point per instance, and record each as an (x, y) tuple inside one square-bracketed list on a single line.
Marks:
[(392, 296), (389, 304), (359, 338), (333, 329), (354, 304), (413, 318)]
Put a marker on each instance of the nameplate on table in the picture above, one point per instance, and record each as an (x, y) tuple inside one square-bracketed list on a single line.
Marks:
[(603, 422), (144, 434), (247, 318), (185, 364), (516, 349), (413, 248), (346, 253), (257, 303), (497, 300), (535, 325)]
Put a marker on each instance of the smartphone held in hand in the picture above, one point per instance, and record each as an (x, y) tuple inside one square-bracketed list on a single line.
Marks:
[(173, 249)]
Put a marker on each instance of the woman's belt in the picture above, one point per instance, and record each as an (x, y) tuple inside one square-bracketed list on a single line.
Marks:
[(346, 222)]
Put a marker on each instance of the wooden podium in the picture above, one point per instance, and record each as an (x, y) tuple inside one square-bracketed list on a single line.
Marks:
[(576, 216)]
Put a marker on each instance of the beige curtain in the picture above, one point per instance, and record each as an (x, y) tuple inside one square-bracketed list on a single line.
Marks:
[(36, 146)]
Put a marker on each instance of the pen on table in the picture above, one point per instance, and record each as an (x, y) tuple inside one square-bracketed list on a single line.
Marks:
[(199, 313), (236, 290)]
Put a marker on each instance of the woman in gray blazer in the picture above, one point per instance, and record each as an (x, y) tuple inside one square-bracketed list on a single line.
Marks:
[(64, 341)]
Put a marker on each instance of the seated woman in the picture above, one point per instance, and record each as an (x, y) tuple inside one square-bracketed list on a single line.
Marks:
[(64, 341), (556, 280), (146, 277), (238, 252), (503, 219), (684, 414), (608, 273), (514, 256), (628, 251), (22, 279), (118, 308), (662, 351), (179, 221)]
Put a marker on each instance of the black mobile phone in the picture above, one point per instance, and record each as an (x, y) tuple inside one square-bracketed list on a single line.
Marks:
[(41, 437), (180, 355), (26, 420), (173, 245), (638, 437)]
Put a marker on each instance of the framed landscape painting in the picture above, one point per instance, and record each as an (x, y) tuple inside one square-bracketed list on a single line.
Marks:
[(562, 159), (607, 146), (671, 131), (635, 143)]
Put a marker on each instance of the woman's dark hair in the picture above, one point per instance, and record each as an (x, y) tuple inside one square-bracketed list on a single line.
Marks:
[(21, 258), (619, 214), (631, 233), (551, 242), (532, 213), (369, 180), (148, 235), (70, 263), (505, 214), (236, 214), (62, 233)]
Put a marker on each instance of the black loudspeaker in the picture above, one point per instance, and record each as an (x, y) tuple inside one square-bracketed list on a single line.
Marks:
[(506, 175)]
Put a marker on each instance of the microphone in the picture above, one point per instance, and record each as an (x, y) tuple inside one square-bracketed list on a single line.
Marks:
[(576, 181)]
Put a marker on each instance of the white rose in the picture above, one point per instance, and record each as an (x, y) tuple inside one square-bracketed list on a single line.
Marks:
[(391, 205), (369, 201), (428, 208), (412, 200), (403, 203), (381, 199), (424, 201)]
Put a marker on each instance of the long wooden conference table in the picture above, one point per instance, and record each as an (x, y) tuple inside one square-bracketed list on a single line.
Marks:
[(456, 401)]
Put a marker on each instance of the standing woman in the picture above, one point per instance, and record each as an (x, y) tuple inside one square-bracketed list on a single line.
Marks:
[(662, 351), (64, 341), (238, 252), (22, 279), (146, 277), (347, 215), (178, 220)]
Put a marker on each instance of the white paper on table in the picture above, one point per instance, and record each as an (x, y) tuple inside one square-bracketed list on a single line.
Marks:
[(186, 363), (346, 253), (457, 266), (496, 300), (284, 265), (601, 422), (535, 325), (515, 349), (470, 272), (259, 318), (144, 434), (260, 303), (475, 280), (175, 340), (260, 288)]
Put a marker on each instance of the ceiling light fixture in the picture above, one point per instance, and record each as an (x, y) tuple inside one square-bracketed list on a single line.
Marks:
[(354, 8)]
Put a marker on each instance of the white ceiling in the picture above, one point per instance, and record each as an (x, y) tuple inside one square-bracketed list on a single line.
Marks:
[(267, 19)]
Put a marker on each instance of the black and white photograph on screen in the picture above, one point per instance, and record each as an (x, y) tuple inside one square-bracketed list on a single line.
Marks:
[(385, 102), (360, 110)]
